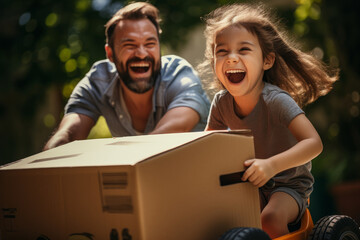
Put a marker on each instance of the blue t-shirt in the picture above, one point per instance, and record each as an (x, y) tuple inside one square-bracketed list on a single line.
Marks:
[(177, 85)]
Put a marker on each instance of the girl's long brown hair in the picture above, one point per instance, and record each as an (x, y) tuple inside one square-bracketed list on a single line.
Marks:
[(302, 75)]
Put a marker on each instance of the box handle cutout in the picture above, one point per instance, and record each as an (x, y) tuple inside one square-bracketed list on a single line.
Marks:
[(231, 178)]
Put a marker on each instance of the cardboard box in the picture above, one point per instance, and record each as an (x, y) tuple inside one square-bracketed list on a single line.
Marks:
[(153, 187)]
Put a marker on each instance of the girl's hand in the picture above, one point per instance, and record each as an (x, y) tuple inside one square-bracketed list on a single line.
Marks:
[(258, 172)]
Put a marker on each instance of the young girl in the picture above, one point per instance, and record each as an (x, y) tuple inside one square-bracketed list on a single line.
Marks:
[(265, 81)]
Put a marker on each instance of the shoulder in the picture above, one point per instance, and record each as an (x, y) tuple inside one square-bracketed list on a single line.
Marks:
[(282, 106), (102, 70), (274, 94), (98, 79), (222, 97), (101, 74), (221, 108), (173, 66), (222, 94), (178, 76), (171, 62)]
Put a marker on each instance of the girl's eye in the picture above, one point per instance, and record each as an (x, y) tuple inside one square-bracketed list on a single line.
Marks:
[(245, 49), (221, 51)]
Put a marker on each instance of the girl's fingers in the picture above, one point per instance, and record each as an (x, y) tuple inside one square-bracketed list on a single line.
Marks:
[(248, 171), (262, 183), (253, 179), (248, 163)]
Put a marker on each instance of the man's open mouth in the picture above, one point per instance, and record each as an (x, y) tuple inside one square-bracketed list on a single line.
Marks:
[(235, 76), (140, 67)]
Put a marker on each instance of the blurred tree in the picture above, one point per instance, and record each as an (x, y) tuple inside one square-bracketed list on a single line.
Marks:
[(47, 47), (328, 29), (45, 44), (344, 131)]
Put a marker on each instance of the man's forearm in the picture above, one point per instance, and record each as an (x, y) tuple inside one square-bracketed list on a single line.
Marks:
[(72, 127), (180, 119), (59, 138)]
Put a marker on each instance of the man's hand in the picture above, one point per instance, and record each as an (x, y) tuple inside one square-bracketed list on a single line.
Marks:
[(72, 127), (179, 119)]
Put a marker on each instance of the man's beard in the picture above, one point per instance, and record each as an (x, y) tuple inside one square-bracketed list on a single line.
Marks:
[(140, 85)]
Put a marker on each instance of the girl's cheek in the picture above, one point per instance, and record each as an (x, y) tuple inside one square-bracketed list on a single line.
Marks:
[(217, 70)]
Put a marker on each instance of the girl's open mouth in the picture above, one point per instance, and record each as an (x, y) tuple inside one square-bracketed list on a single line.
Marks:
[(235, 76)]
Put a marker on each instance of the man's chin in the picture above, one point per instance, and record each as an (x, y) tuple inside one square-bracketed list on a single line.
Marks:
[(140, 77), (140, 86)]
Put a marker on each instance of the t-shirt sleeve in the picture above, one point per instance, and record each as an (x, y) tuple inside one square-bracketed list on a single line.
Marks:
[(285, 108), (215, 120), (82, 100), (185, 88)]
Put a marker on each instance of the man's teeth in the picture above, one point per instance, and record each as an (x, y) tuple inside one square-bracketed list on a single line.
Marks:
[(140, 65), (234, 71)]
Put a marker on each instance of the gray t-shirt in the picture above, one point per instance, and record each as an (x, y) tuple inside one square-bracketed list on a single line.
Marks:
[(269, 123), (177, 85)]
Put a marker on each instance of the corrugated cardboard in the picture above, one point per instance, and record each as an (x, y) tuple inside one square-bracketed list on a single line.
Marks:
[(153, 187)]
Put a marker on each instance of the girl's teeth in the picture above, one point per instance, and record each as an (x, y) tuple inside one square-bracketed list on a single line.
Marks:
[(235, 71)]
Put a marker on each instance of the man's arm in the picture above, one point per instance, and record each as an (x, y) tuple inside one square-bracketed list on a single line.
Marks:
[(72, 127), (184, 96), (178, 119)]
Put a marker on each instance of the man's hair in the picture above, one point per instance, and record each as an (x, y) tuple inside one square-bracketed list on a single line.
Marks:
[(299, 73), (133, 11)]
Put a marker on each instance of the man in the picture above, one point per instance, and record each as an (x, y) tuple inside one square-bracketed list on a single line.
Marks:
[(135, 89)]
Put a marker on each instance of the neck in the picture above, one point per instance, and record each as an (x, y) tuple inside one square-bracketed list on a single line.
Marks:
[(139, 106), (245, 104), (136, 100)]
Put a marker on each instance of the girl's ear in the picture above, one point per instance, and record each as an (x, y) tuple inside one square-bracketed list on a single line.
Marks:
[(269, 61), (109, 52)]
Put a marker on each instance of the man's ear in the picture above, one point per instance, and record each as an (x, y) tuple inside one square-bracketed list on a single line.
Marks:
[(269, 61), (109, 52)]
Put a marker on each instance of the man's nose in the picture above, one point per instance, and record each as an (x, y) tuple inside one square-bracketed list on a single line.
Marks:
[(141, 52)]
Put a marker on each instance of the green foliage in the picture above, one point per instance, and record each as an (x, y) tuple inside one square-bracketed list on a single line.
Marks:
[(45, 44), (180, 16), (48, 46), (328, 29)]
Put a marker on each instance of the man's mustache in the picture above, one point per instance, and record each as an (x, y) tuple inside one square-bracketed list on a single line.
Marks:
[(137, 59)]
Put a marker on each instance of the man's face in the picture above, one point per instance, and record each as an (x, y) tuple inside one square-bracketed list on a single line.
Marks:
[(136, 54)]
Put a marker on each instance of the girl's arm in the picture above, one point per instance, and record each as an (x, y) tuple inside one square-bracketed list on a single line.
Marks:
[(308, 147)]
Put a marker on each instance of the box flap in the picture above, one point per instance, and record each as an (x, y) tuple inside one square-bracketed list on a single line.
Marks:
[(109, 151)]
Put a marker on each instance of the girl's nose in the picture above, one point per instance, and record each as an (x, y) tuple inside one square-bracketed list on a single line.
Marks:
[(232, 58)]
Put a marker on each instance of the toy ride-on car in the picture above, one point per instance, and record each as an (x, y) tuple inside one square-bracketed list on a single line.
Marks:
[(334, 227)]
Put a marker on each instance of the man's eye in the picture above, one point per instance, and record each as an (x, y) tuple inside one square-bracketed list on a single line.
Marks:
[(129, 45), (151, 44)]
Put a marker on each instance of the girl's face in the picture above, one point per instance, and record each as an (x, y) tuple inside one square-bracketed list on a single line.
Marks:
[(238, 61)]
